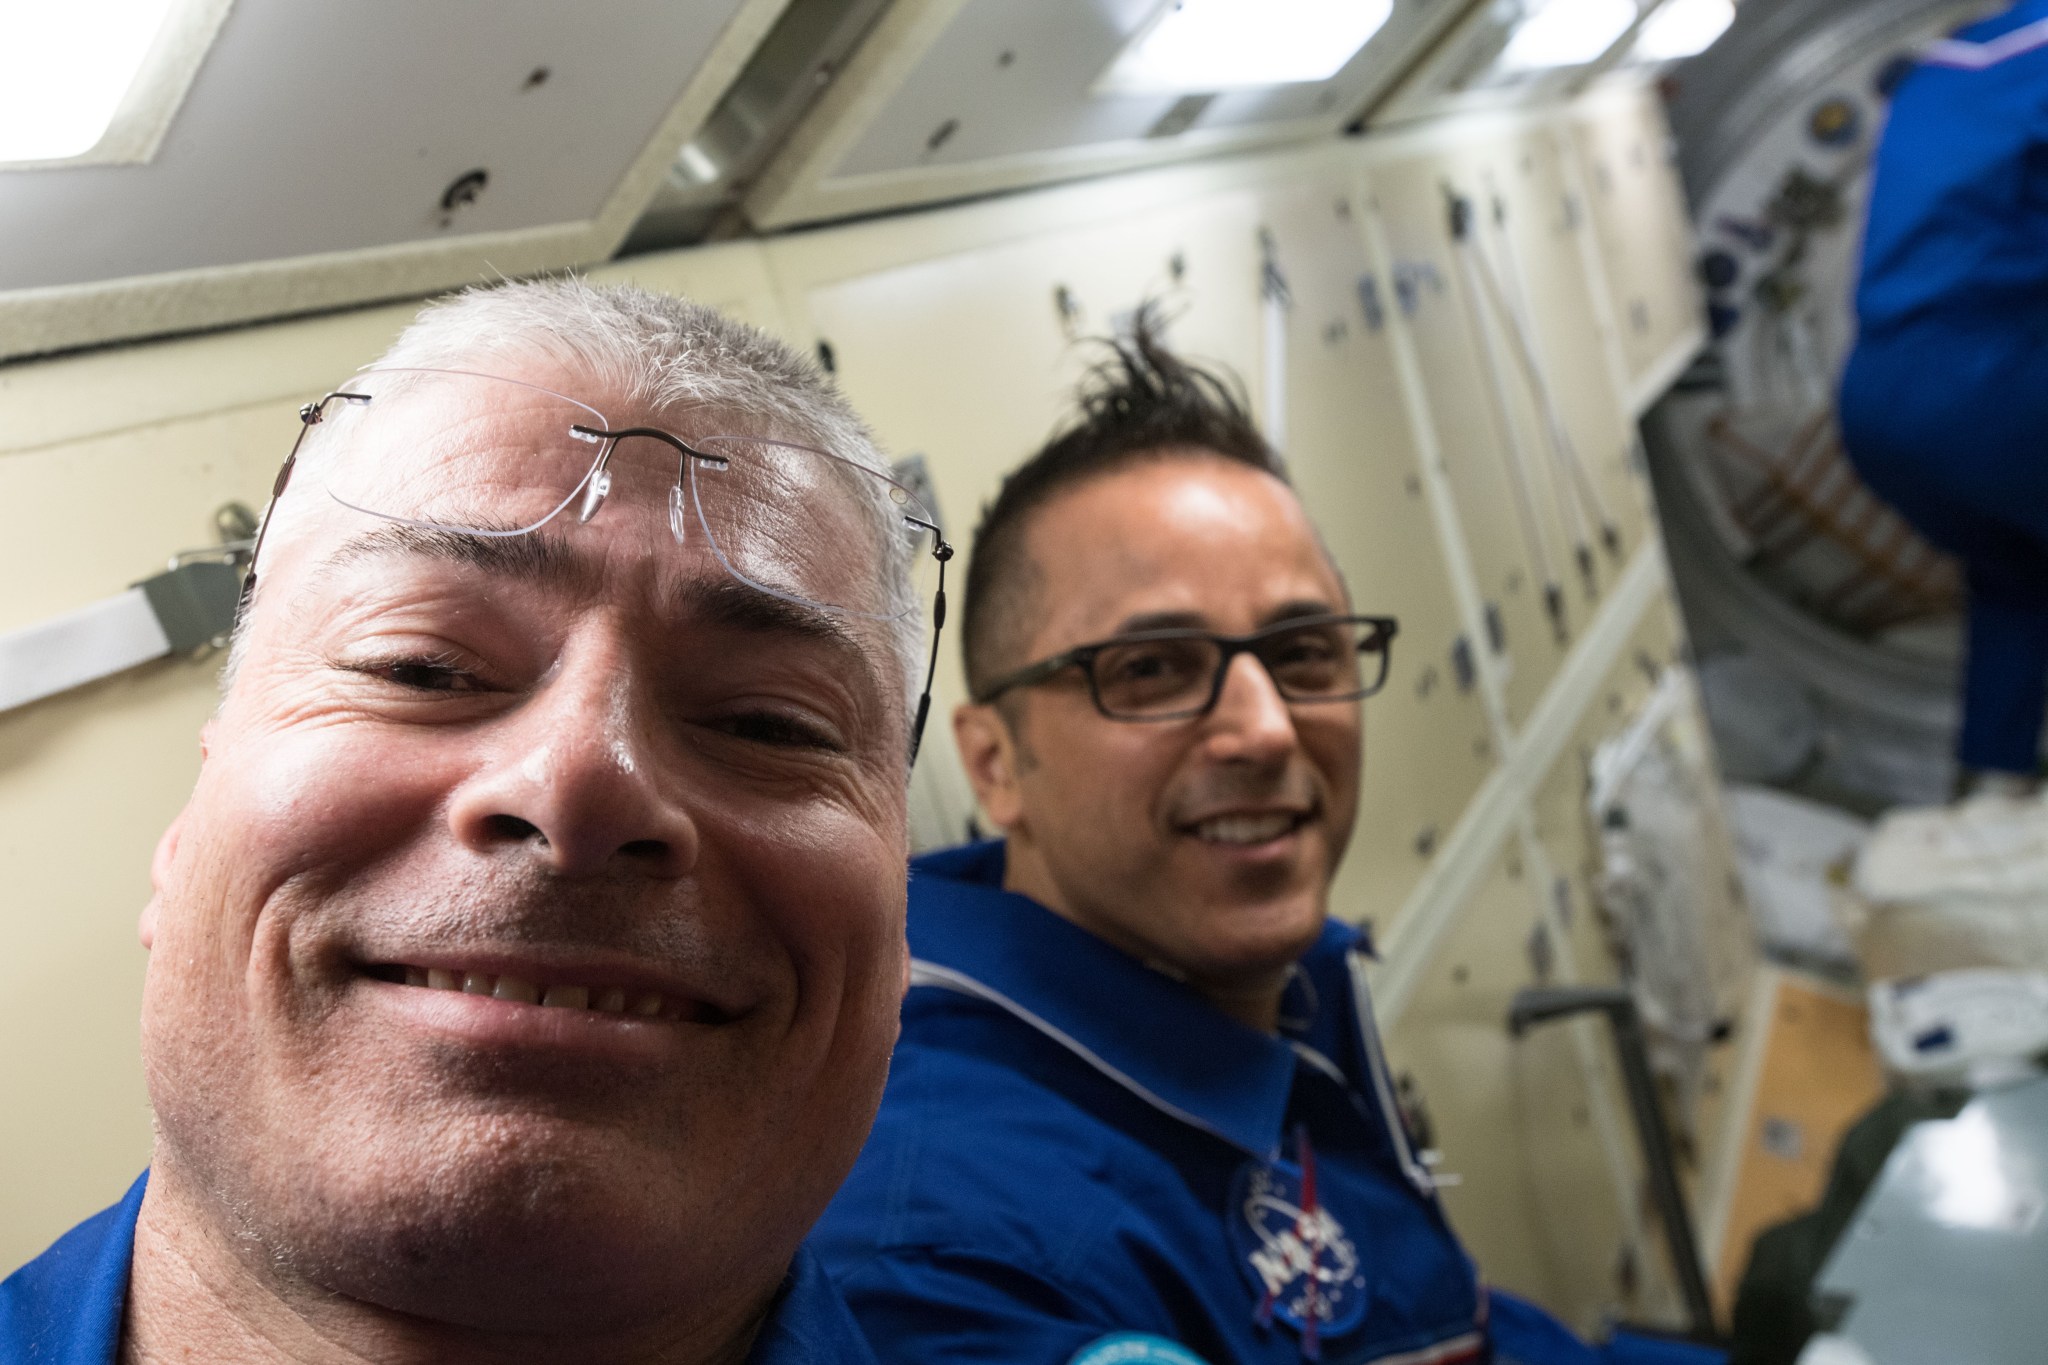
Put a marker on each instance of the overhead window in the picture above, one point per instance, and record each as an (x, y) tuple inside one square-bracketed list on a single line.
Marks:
[(92, 81)]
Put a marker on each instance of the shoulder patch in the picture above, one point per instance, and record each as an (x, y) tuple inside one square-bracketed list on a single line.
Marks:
[(1134, 1348)]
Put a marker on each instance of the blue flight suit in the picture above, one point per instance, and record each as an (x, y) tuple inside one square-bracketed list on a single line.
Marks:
[(1078, 1159), (64, 1307), (1944, 403)]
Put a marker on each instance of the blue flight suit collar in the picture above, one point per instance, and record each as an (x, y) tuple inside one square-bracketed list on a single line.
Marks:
[(1145, 1030), (65, 1307)]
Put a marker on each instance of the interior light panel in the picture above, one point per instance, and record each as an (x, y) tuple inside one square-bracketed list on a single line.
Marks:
[(1682, 28), (1194, 46), (1557, 33), (65, 67)]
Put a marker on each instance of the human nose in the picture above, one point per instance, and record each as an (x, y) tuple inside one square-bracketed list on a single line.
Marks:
[(1251, 720), (576, 781)]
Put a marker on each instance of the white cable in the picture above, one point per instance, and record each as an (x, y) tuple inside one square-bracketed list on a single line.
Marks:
[(1513, 303), (1519, 481)]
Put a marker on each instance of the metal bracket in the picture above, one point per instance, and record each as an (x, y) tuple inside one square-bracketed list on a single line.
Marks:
[(1542, 1004)]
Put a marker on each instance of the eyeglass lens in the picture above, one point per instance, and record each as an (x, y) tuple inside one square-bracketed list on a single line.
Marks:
[(473, 453), (1327, 661)]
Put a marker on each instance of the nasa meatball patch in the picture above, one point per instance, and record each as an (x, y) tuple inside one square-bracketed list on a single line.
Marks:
[(1300, 1263)]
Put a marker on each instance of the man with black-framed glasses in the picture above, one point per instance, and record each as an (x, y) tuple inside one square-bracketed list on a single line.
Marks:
[(525, 964), (1139, 1111)]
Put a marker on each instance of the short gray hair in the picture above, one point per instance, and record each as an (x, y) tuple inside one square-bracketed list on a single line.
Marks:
[(659, 351)]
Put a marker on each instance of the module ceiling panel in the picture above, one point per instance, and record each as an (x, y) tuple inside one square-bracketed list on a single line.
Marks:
[(329, 153), (949, 98)]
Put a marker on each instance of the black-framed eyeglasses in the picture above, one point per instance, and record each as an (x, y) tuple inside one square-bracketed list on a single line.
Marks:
[(789, 520), (1178, 674)]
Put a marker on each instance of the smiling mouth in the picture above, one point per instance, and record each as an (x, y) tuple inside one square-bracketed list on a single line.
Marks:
[(1247, 830), (597, 998)]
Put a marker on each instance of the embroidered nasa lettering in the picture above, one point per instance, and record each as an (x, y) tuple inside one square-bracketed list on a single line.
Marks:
[(1299, 1261)]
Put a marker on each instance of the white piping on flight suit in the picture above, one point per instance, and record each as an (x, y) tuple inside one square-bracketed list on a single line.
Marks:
[(1968, 56), (1376, 1063)]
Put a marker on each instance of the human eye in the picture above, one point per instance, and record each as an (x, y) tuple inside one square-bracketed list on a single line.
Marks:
[(441, 672), (1312, 658), (1152, 661), (1138, 662), (1150, 672), (780, 730), (1311, 646)]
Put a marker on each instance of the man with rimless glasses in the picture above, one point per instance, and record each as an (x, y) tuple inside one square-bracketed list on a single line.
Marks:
[(525, 965), (1139, 1111)]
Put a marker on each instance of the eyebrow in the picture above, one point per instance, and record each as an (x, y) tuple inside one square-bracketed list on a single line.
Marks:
[(1194, 620), (544, 560), (533, 558), (733, 605)]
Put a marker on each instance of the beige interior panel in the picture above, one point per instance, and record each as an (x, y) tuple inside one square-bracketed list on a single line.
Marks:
[(1431, 296), (1353, 459), (1534, 1200), (1547, 268), (1645, 235)]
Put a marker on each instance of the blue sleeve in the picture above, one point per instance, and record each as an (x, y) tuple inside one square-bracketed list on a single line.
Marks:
[(931, 1305), (1524, 1334)]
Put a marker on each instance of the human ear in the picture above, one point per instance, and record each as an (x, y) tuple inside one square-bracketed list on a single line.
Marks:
[(159, 873), (166, 853), (988, 751)]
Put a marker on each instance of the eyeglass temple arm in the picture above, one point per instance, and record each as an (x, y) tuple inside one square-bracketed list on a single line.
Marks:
[(942, 552), (309, 417)]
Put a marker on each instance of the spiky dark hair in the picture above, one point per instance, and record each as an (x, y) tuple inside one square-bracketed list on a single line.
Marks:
[(1141, 403)]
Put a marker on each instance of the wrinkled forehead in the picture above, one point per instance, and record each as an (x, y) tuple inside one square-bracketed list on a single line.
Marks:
[(712, 490)]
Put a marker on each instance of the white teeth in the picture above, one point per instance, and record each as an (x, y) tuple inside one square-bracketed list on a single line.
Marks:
[(604, 999), (1244, 829)]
